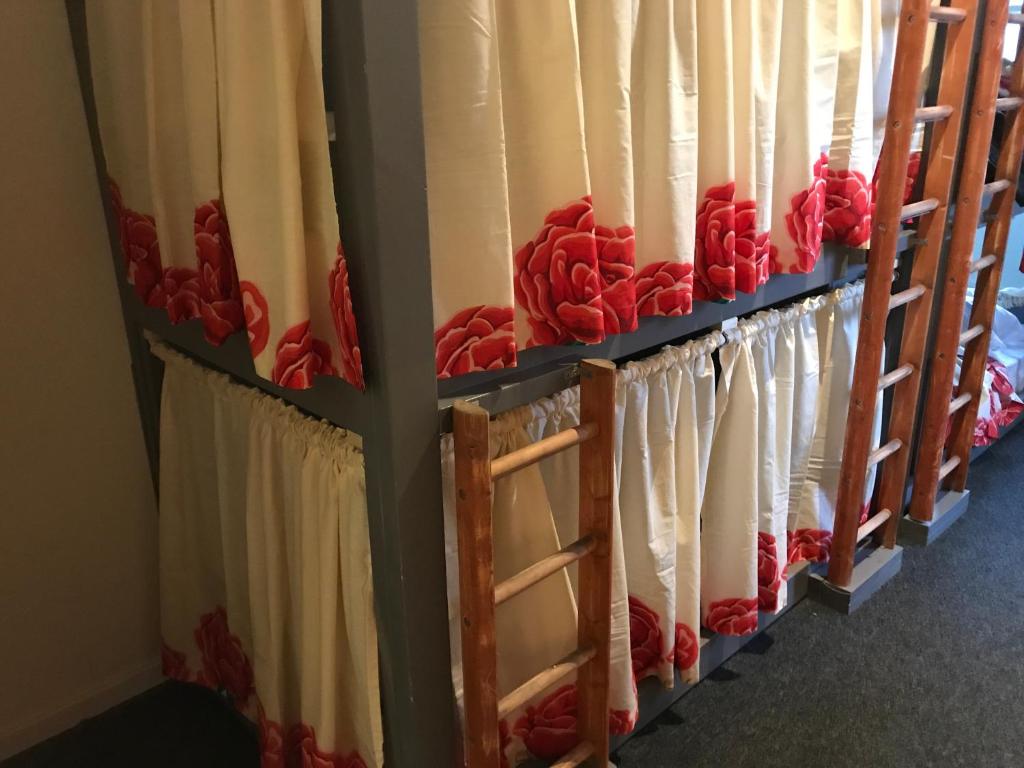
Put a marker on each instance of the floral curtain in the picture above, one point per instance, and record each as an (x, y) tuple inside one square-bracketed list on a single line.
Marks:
[(605, 161), (198, 131), (265, 587)]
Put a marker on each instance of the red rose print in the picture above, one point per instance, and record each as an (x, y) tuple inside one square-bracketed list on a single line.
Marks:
[(806, 219), (665, 288), (687, 650), (769, 577), (621, 721), (644, 637), (865, 513), (139, 247), (549, 728), (557, 280), (810, 544), (221, 307), (715, 251), (913, 169), (173, 663), (848, 208), (178, 292), (225, 665), (300, 357), (733, 617), (303, 751), (616, 257), (475, 339), (751, 249), (257, 316), (271, 742), (345, 323)]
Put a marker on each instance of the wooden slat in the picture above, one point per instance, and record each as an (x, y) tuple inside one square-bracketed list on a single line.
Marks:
[(905, 297), (597, 487), (959, 402), (895, 375), (945, 15), (983, 263), (933, 114), (911, 210), (470, 425), (540, 570), (531, 454), (971, 333), (872, 523), (543, 680), (576, 756), (882, 453), (1008, 102), (974, 160), (994, 187), (948, 466)]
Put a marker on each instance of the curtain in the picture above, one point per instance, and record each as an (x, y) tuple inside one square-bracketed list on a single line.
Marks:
[(198, 131), (265, 586)]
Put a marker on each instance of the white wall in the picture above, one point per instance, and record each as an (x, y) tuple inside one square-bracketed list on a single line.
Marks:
[(78, 578)]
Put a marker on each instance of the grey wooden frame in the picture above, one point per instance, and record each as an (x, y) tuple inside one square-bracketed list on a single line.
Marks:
[(372, 83)]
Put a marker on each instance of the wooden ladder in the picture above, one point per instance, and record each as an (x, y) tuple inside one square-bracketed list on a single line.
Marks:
[(879, 301), (474, 473), (933, 467)]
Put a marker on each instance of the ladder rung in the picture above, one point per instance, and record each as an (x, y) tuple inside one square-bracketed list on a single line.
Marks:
[(896, 374), (544, 680), (983, 263), (948, 466), (579, 753), (933, 114), (971, 333), (887, 450), (1008, 102), (994, 187), (872, 523), (911, 210), (1015, 18), (959, 402), (531, 454), (945, 15), (540, 570), (912, 293)]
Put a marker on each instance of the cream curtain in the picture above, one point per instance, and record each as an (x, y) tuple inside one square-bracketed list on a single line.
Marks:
[(197, 130), (265, 574)]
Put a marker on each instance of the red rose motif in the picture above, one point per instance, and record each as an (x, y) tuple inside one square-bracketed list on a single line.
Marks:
[(621, 721), (557, 280), (179, 293), (139, 247), (665, 288), (174, 664), (257, 316), (549, 729), (810, 544), (734, 617), (751, 249), (865, 513), (345, 323), (806, 220), (913, 169), (644, 637), (271, 742), (687, 650), (225, 665), (221, 307), (300, 357), (303, 751), (769, 576), (848, 208), (616, 257), (715, 250), (475, 339)]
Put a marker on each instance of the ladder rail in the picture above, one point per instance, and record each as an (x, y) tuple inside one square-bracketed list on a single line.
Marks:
[(958, 267)]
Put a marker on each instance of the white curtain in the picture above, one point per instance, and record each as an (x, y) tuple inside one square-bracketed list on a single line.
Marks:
[(265, 574), (198, 130)]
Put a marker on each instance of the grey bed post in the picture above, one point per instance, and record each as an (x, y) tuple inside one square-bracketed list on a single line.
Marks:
[(372, 76)]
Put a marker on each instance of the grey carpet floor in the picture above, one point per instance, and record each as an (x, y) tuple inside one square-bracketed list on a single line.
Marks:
[(930, 672)]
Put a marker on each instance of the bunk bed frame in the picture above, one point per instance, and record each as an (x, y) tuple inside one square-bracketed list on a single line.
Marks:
[(372, 85)]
